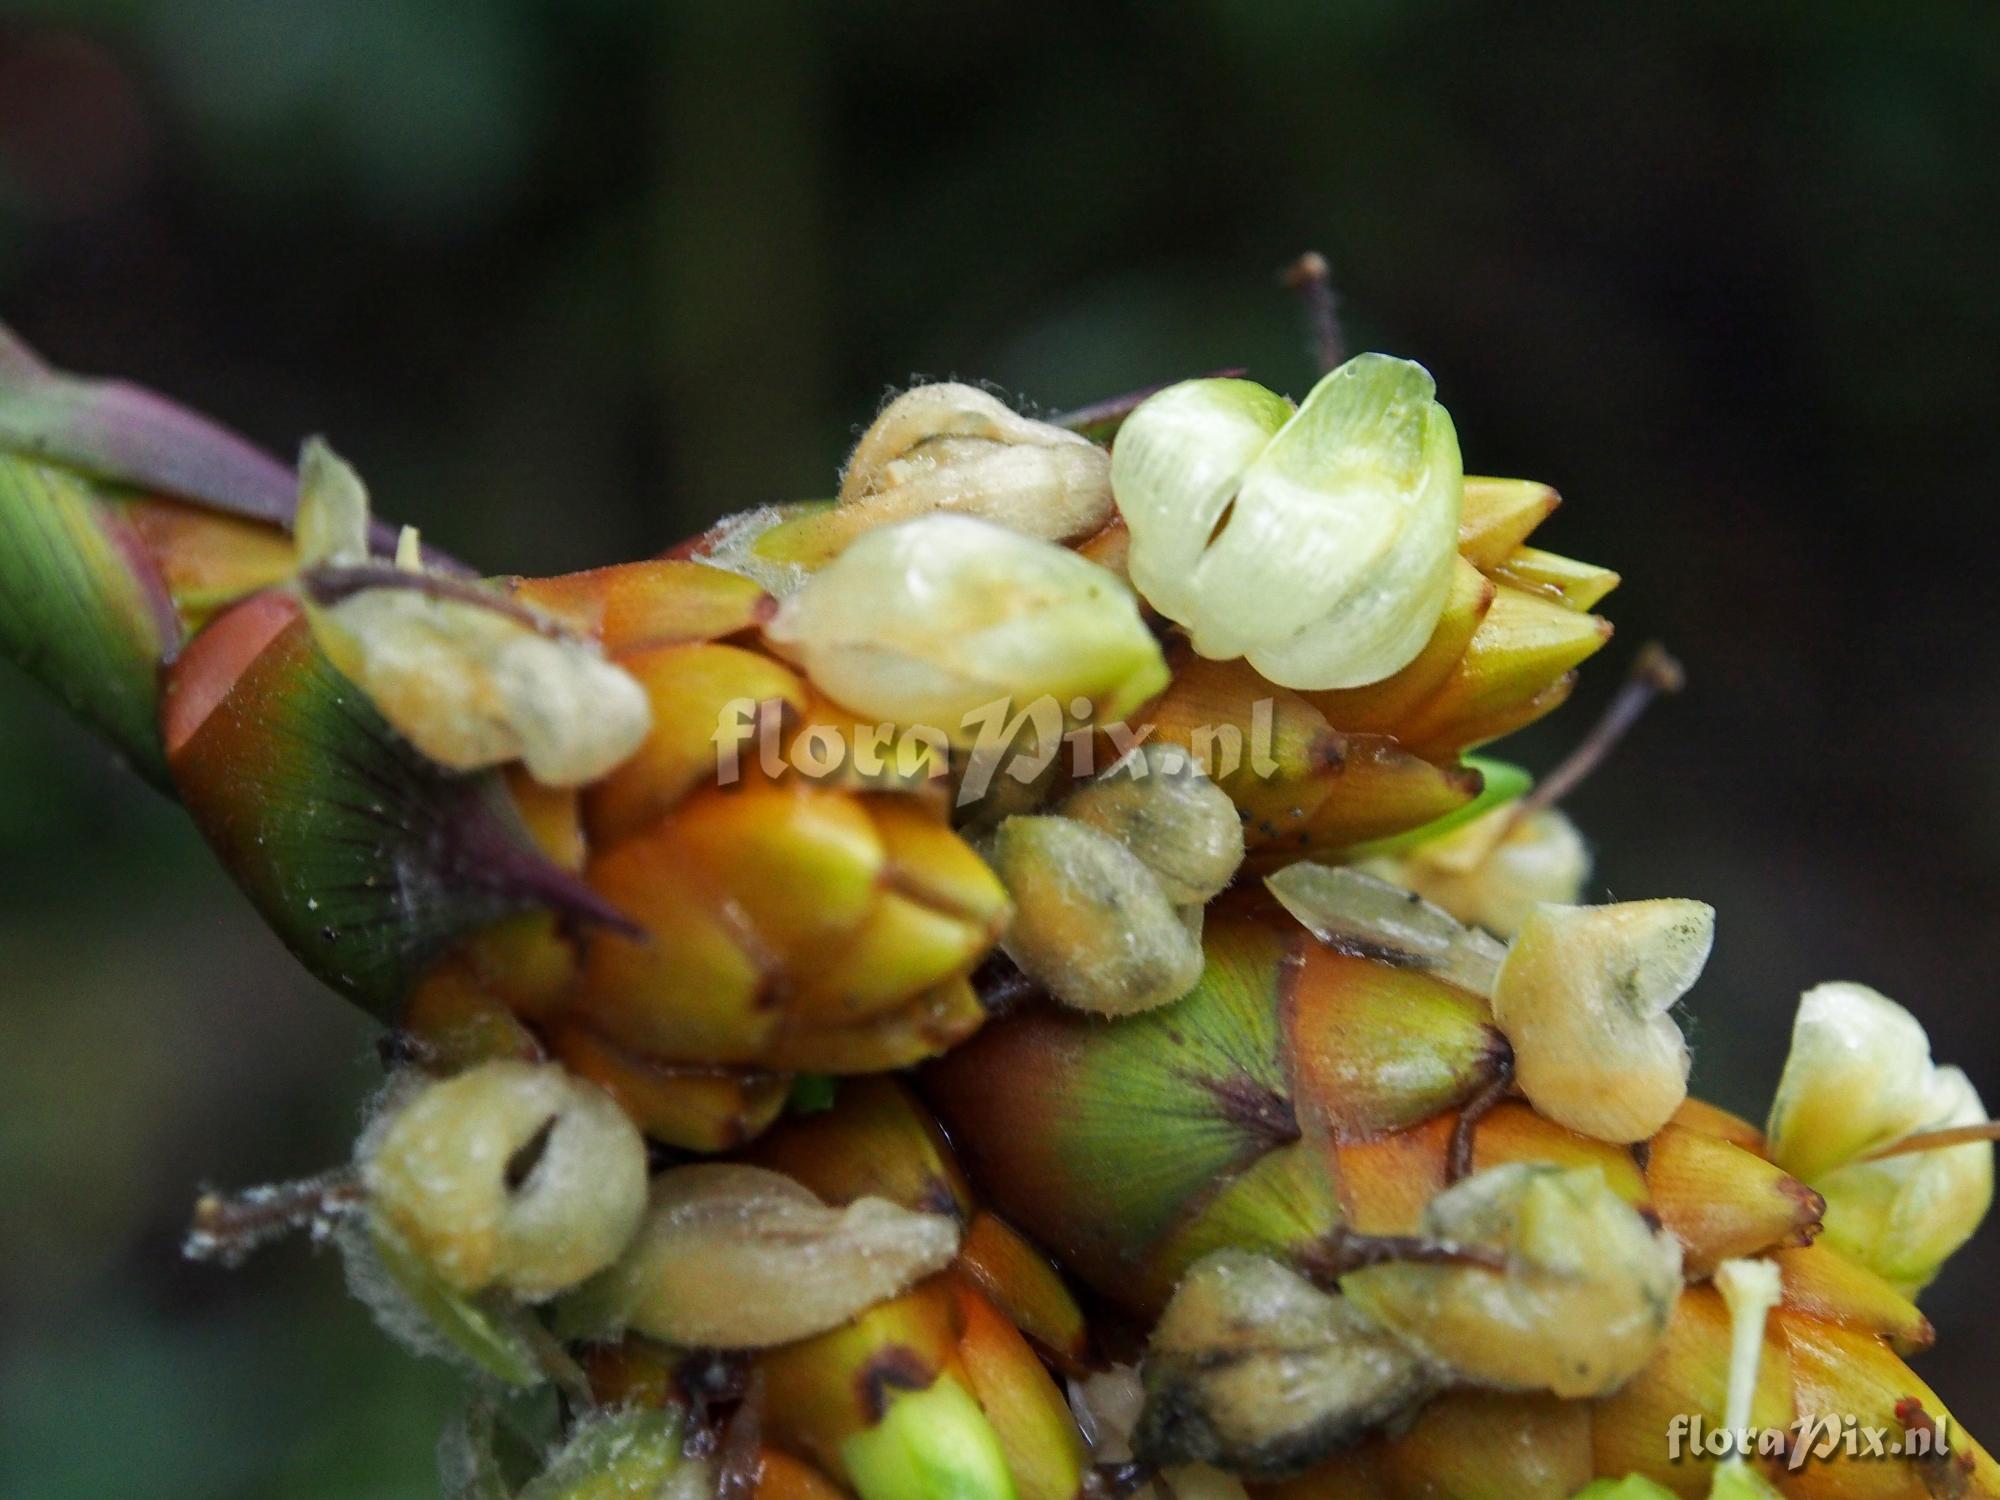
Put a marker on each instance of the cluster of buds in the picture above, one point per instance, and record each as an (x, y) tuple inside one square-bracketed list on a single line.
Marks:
[(1006, 985)]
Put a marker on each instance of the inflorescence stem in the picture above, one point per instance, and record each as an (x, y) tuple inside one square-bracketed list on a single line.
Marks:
[(1312, 278), (1654, 672), (227, 1227)]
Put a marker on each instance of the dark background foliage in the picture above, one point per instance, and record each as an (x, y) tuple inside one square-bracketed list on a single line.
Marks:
[(569, 279)]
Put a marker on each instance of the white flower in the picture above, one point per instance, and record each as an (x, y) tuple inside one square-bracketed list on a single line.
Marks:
[(331, 525), (1317, 543), (1859, 1080)]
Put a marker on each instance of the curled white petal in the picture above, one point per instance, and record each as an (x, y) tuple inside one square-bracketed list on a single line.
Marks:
[(1858, 1081), (1316, 543), (1903, 1216)]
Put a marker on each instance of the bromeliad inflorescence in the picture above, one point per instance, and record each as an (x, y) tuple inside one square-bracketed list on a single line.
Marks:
[(1009, 984)]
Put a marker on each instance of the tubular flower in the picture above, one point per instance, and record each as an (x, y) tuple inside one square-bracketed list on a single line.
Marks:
[(1022, 1129)]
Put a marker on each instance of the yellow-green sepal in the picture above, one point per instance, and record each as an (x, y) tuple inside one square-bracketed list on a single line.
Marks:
[(933, 1444), (417, 1308), (622, 1455), (1500, 781)]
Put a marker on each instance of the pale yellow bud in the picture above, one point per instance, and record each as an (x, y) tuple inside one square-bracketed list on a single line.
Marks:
[(410, 550), (952, 447), (1586, 1291), (1091, 923), (472, 682), (1583, 998), (737, 1257), (511, 1174), (474, 685), (1158, 803), (1320, 543), (332, 521), (940, 621)]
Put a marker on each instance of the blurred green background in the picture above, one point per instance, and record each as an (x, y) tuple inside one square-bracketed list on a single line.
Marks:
[(569, 279)]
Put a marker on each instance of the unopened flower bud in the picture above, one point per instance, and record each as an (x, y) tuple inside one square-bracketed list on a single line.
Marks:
[(1583, 997), (1158, 803), (1584, 1297), (1859, 1080), (739, 1257), (1253, 1368), (935, 621), (1497, 868), (472, 687), (471, 683), (1319, 543), (1091, 922), (511, 1174), (953, 447)]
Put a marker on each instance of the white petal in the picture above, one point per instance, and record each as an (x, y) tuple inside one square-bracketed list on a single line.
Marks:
[(1904, 1216), (1177, 464), (1323, 552), (1859, 1076)]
